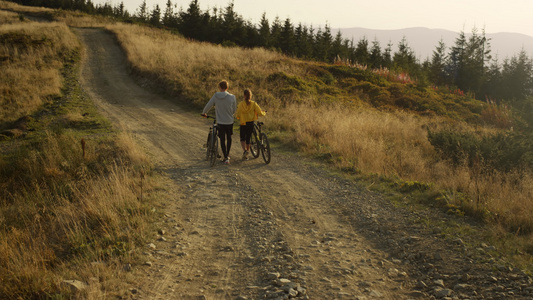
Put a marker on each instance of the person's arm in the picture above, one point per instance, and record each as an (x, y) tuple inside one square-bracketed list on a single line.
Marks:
[(258, 110), (234, 104), (238, 111), (208, 106)]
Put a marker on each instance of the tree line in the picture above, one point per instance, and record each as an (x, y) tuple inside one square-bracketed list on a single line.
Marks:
[(466, 66)]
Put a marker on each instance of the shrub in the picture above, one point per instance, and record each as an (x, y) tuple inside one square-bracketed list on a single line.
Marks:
[(502, 152), (412, 186), (497, 115)]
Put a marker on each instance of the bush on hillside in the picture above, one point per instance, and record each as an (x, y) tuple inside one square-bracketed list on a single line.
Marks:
[(503, 151)]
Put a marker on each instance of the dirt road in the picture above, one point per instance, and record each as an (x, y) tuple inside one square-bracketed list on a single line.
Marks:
[(278, 231)]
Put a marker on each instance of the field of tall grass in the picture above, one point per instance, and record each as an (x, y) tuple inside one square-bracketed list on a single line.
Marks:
[(70, 186), (321, 110), (189, 70), (70, 213), (31, 55), (395, 145), (65, 216)]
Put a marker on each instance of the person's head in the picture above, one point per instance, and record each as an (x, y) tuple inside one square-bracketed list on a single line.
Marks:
[(248, 95), (223, 85)]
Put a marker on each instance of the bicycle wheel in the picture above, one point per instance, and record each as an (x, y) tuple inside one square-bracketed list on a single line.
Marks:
[(265, 150), (254, 147), (214, 150), (208, 147)]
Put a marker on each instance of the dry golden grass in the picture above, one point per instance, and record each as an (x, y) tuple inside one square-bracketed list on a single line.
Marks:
[(31, 62), (385, 143), (389, 144), (376, 142), (396, 145), (71, 18), (66, 211), (131, 149), (62, 209), (78, 19), (7, 17), (6, 5), (194, 69)]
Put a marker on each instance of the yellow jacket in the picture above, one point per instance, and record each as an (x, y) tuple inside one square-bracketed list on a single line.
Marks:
[(248, 112)]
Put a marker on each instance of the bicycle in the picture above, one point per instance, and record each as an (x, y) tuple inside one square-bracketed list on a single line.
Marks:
[(260, 143), (211, 153)]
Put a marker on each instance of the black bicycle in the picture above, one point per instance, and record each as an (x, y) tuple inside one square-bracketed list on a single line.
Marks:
[(260, 143), (211, 152)]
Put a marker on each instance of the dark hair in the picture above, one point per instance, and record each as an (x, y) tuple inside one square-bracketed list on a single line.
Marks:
[(223, 85), (248, 95)]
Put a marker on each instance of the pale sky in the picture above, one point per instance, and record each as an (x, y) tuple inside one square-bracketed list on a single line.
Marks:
[(455, 15)]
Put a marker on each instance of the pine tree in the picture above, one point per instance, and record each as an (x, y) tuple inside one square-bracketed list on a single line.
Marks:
[(119, 10), (142, 12), (287, 40), (362, 55), (233, 26), (456, 59), (169, 18), (322, 45), (404, 59), (467, 61), (304, 42), (275, 34), (78, 5), (473, 67), (155, 16), (252, 35), (517, 76), (189, 23), (337, 49), (387, 56), (89, 8), (106, 9), (326, 43), (375, 59), (493, 83), (264, 32), (213, 31), (437, 73)]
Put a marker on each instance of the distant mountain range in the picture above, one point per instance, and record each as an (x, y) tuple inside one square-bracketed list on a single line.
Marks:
[(423, 41)]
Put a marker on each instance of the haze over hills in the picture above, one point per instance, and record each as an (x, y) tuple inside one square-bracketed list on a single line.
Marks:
[(423, 41)]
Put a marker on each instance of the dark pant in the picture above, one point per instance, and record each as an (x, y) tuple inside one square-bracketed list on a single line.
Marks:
[(224, 133), (246, 132)]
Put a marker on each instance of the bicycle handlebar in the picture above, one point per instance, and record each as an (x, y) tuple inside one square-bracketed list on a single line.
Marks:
[(207, 116)]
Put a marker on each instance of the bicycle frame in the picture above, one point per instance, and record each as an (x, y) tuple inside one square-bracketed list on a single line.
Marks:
[(212, 143), (260, 143)]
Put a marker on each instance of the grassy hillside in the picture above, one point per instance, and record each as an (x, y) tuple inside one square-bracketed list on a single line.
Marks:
[(32, 56), (365, 121), (370, 124), (191, 69), (69, 184)]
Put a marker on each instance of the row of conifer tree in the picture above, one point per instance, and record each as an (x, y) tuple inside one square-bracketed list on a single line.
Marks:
[(467, 65)]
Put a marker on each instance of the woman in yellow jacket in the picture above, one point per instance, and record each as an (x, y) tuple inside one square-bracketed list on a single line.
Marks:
[(247, 112)]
